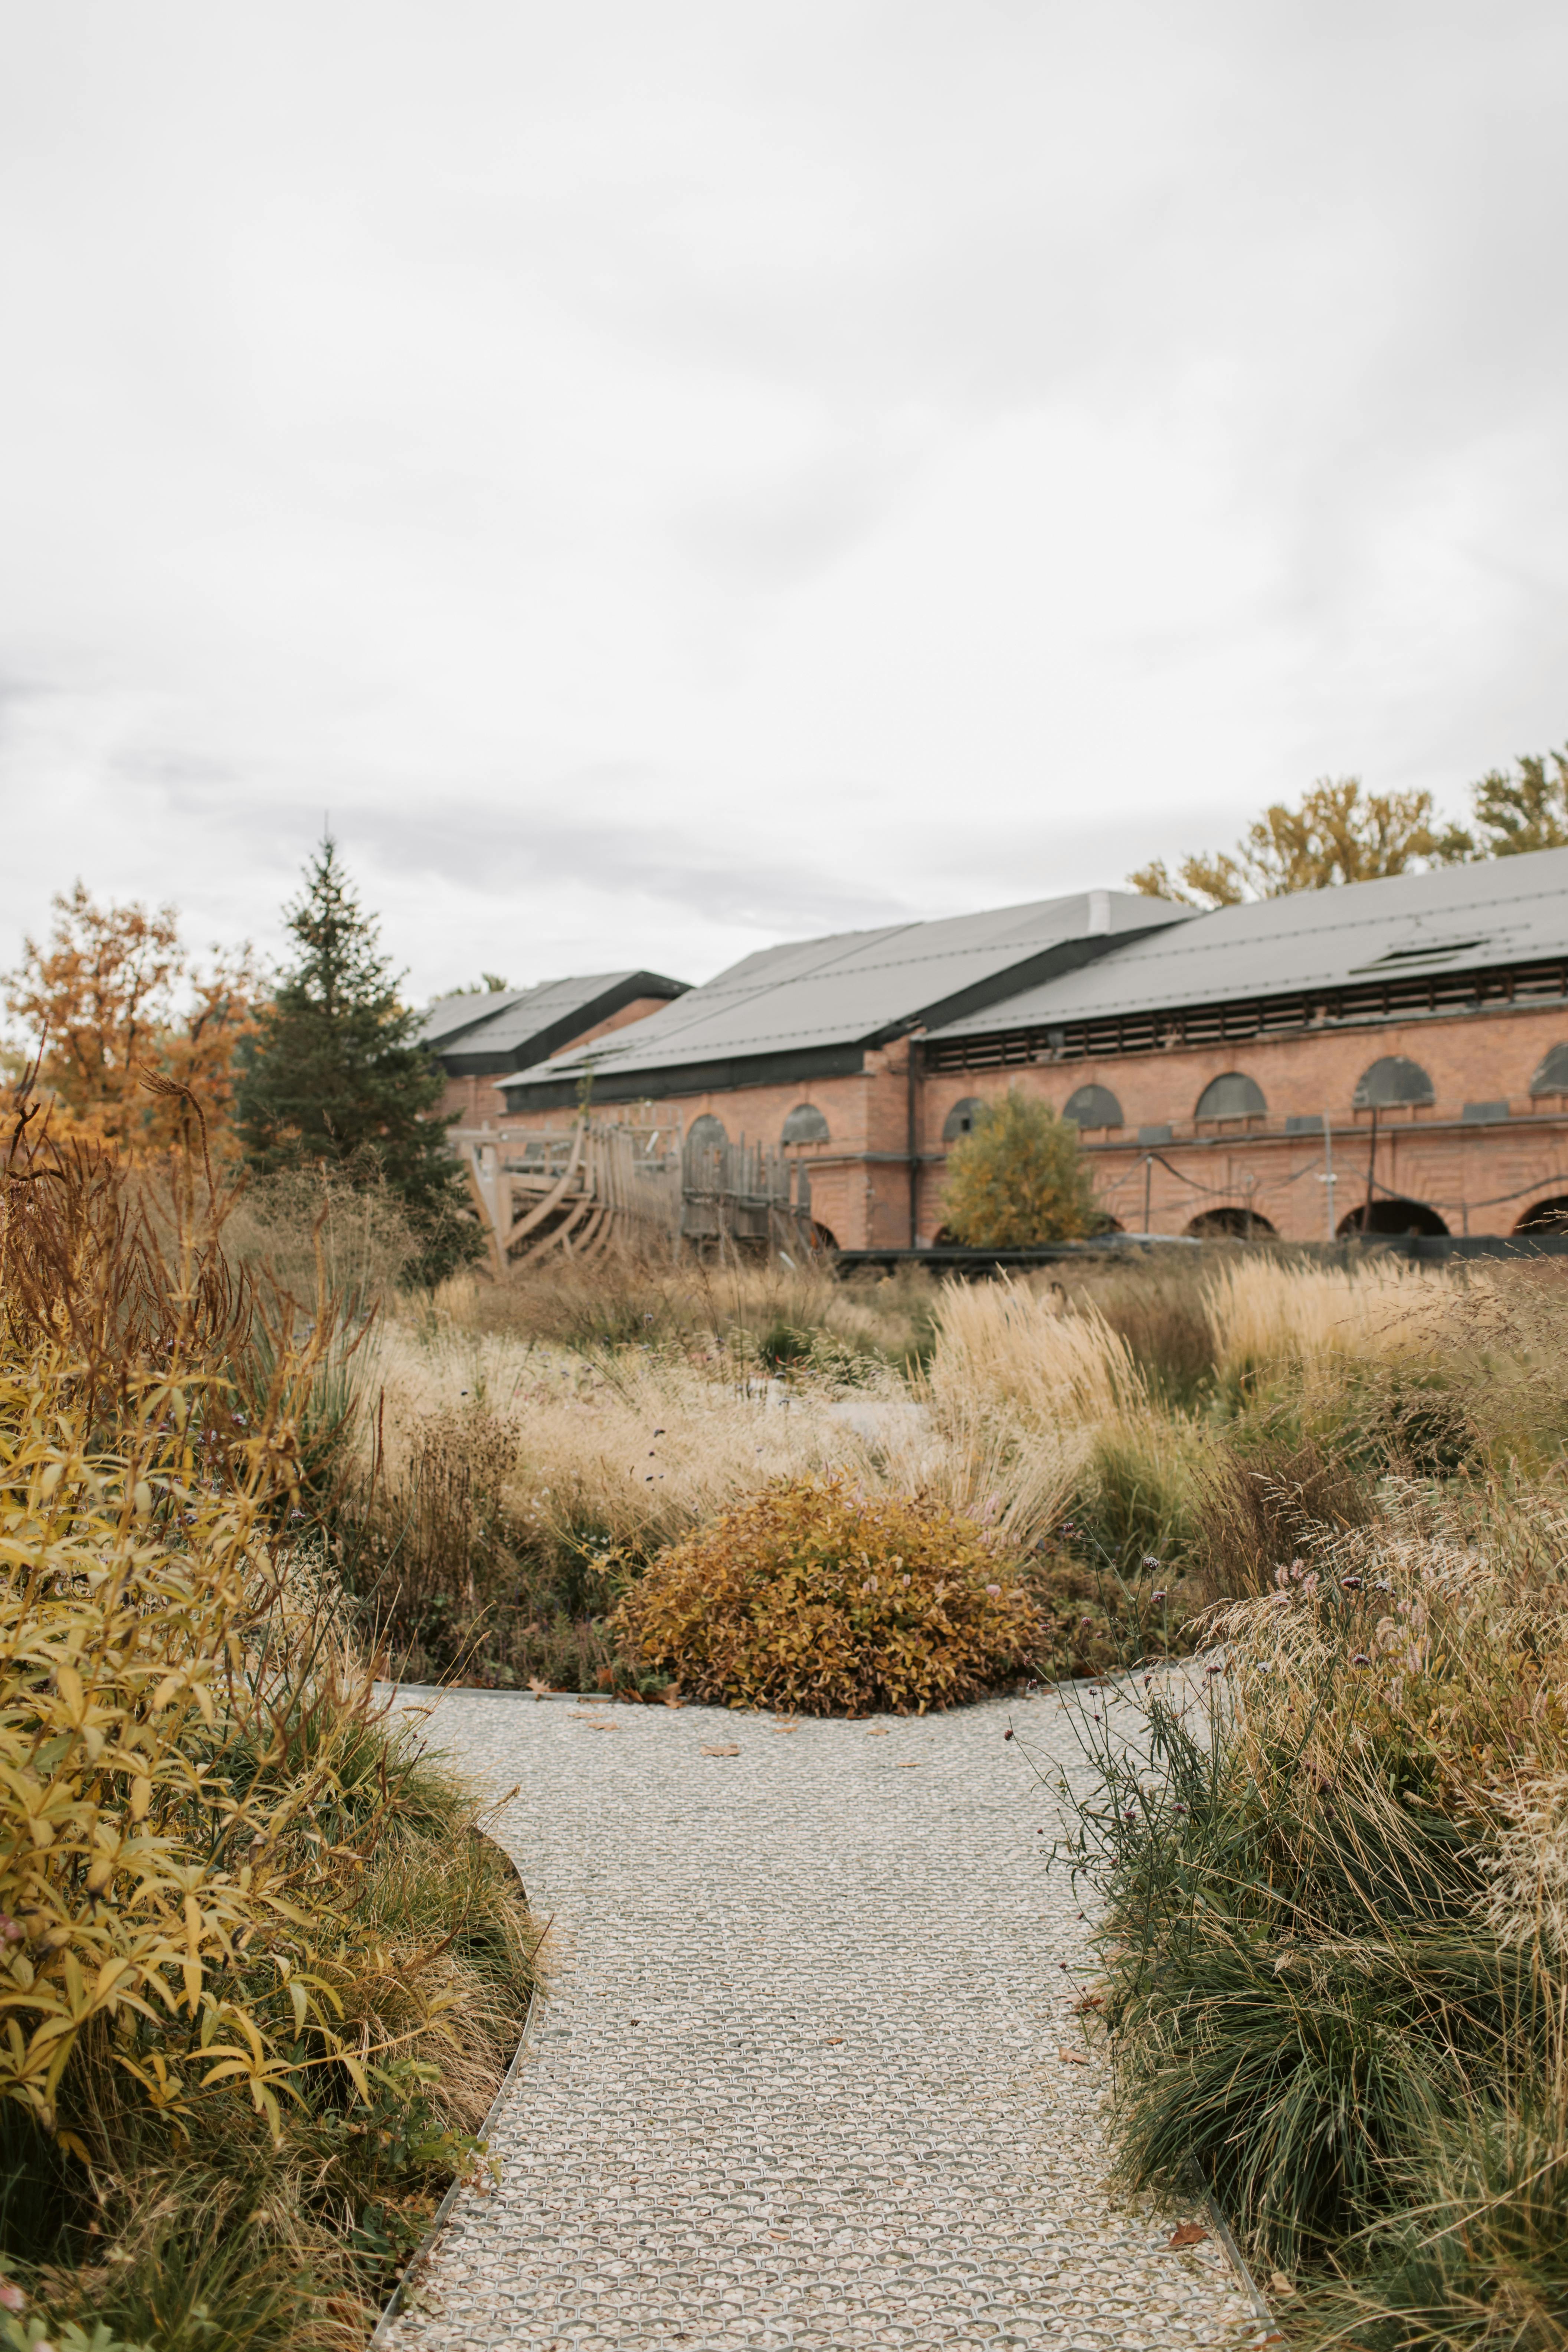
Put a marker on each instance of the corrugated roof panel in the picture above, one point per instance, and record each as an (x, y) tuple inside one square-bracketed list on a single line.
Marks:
[(523, 1021), (1462, 917), (853, 986), (452, 1016)]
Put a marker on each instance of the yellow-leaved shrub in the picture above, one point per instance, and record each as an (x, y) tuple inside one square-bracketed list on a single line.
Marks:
[(175, 1842), (816, 1598)]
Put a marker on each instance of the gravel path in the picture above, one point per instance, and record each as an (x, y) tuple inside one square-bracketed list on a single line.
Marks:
[(798, 2081)]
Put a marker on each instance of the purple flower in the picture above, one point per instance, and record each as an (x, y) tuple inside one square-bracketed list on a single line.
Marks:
[(1361, 1659)]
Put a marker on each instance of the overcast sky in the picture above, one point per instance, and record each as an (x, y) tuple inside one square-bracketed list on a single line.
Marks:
[(670, 476)]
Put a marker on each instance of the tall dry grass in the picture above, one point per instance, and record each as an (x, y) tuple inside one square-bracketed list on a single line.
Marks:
[(1263, 1312), (1007, 1343), (1333, 1951), (496, 1478)]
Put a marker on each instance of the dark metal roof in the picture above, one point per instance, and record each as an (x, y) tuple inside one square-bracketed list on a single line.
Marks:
[(1506, 911), (477, 1037), (815, 1005)]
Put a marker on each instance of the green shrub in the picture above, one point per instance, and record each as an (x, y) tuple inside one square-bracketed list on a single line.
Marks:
[(1018, 1179), (814, 1598)]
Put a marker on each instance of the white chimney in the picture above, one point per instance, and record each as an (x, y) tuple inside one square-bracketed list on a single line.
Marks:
[(1099, 912)]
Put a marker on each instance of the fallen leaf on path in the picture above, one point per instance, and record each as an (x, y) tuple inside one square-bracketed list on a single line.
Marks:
[(907, 1768), (878, 1731), (1186, 2233), (1280, 2284), (1074, 2057), (788, 1728), (833, 2042), (721, 1752)]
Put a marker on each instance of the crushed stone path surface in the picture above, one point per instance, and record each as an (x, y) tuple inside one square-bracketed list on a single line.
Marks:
[(798, 2081)]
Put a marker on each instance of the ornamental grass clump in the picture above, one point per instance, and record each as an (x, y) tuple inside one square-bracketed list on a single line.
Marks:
[(1334, 1960), (819, 1599)]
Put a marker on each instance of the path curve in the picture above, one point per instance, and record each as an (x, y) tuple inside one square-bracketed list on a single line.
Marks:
[(798, 2082)]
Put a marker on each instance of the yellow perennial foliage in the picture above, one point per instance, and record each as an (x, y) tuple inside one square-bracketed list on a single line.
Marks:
[(816, 1597), (152, 1892)]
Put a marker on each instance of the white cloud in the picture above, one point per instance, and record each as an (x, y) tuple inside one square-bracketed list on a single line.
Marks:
[(663, 478)]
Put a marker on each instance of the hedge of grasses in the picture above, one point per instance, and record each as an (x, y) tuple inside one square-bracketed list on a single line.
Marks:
[(1335, 1851), (259, 1973)]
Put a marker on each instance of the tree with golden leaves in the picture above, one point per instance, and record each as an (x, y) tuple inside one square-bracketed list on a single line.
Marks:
[(1338, 834), (1018, 1179), (112, 998)]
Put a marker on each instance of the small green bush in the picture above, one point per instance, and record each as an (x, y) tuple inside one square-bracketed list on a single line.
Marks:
[(817, 1599), (1018, 1179)]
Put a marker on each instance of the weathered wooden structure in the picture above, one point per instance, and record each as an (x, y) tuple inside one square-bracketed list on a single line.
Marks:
[(599, 1184), (746, 1196)]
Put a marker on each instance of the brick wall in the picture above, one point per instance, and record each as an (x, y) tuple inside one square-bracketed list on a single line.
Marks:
[(860, 1179), (1428, 1155)]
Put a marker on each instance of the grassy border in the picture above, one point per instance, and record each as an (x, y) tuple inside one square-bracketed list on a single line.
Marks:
[(408, 2276)]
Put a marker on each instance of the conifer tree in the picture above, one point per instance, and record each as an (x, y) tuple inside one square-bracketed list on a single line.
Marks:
[(336, 1074)]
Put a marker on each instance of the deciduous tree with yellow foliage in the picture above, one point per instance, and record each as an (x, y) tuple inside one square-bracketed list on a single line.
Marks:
[(112, 998), (1340, 834)]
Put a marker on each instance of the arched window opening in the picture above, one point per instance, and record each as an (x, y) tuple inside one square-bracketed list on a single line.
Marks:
[(1552, 1077), (960, 1119), (1232, 1096), (806, 1124), (1550, 1216), (1236, 1225), (1394, 1084), (1392, 1217), (1093, 1107), (703, 1137)]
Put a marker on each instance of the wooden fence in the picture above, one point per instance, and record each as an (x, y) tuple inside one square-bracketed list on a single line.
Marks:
[(595, 1185)]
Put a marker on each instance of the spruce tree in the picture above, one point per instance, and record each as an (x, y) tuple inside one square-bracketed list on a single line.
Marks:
[(336, 1074)]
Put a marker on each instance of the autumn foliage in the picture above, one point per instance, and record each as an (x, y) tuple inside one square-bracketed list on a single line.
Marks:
[(112, 997), (240, 1920), (1018, 1179), (818, 1598)]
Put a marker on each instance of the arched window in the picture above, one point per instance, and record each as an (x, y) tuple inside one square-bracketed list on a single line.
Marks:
[(1552, 1077), (1549, 1216), (960, 1119), (1228, 1225), (704, 1135), (1234, 1095), (1093, 1107), (1392, 1084), (806, 1124), (1393, 1217)]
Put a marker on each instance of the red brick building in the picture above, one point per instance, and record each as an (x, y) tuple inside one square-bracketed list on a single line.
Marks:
[(1407, 1039), (481, 1038)]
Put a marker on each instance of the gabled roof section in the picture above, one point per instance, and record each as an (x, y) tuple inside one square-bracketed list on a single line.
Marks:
[(482, 1036), (813, 1006), (1506, 911)]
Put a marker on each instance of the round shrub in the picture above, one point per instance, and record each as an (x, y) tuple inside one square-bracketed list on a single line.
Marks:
[(817, 1599)]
